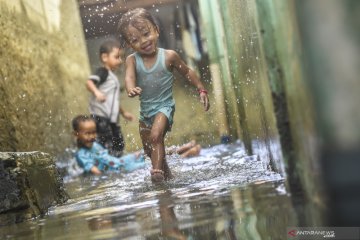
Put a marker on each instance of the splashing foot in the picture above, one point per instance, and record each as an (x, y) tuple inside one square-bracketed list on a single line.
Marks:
[(157, 176)]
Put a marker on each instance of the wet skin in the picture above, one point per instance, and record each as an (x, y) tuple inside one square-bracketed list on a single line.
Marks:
[(86, 134)]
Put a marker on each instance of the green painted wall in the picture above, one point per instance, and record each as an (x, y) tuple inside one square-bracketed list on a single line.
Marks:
[(294, 69), (273, 101), (292, 99), (331, 44), (246, 83)]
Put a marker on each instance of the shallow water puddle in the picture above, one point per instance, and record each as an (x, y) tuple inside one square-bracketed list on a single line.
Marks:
[(221, 194)]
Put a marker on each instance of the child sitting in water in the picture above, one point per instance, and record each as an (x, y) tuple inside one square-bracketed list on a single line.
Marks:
[(95, 159)]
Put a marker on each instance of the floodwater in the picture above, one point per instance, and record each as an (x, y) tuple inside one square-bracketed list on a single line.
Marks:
[(221, 194)]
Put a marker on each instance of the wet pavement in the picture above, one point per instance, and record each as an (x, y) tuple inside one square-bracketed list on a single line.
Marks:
[(221, 194)]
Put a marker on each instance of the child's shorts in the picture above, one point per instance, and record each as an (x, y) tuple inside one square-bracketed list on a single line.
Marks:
[(167, 111)]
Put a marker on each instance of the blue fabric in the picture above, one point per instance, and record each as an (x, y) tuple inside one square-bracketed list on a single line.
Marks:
[(156, 84), (131, 162), (167, 111), (100, 157)]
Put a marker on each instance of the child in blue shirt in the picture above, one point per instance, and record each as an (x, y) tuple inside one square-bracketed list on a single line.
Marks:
[(94, 158)]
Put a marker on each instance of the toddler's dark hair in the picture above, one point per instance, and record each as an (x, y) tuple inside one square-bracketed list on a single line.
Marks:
[(135, 18), (108, 45), (79, 119)]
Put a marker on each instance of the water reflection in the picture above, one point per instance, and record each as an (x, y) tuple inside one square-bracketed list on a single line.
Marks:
[(222, 194)]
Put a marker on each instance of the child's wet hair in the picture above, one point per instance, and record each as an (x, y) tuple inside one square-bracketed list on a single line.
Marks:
[(108, 45), (135, 18), (79, 119)]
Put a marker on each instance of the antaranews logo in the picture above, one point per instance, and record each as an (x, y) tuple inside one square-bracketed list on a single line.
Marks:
[(292, 233)]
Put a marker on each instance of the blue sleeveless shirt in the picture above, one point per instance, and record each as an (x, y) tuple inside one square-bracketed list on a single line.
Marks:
[(156, 84)]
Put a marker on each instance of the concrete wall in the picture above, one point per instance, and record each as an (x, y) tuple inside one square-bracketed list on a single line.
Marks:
[(30, 183), (292, 99), (43, 66), (242, 65), (251, 83), (275, 107), (294, 69), (331, 39)]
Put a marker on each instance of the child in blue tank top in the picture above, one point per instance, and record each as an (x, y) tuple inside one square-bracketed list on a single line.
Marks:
[(149, 75)]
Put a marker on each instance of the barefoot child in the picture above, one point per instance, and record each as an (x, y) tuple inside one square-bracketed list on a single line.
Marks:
[(95, 159), (149, 74), (104, 101), (190, 149)]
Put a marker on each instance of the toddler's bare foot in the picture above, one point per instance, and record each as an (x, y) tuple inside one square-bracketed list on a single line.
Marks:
[(193, 142), (186, 147), (194, 151), (190, 144)]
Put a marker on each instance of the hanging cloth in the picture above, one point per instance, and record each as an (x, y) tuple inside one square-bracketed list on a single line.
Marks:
[(192, 31)]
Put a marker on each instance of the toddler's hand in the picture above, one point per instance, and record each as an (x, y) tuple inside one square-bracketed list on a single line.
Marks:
[(134, 92), (100, 97), (204, 99)]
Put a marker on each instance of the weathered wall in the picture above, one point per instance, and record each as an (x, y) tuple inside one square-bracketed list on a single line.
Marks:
[(275, 107), (291, 96), (43, 66), (251, 84), (242, 65), (331, 39), (30, 184)]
